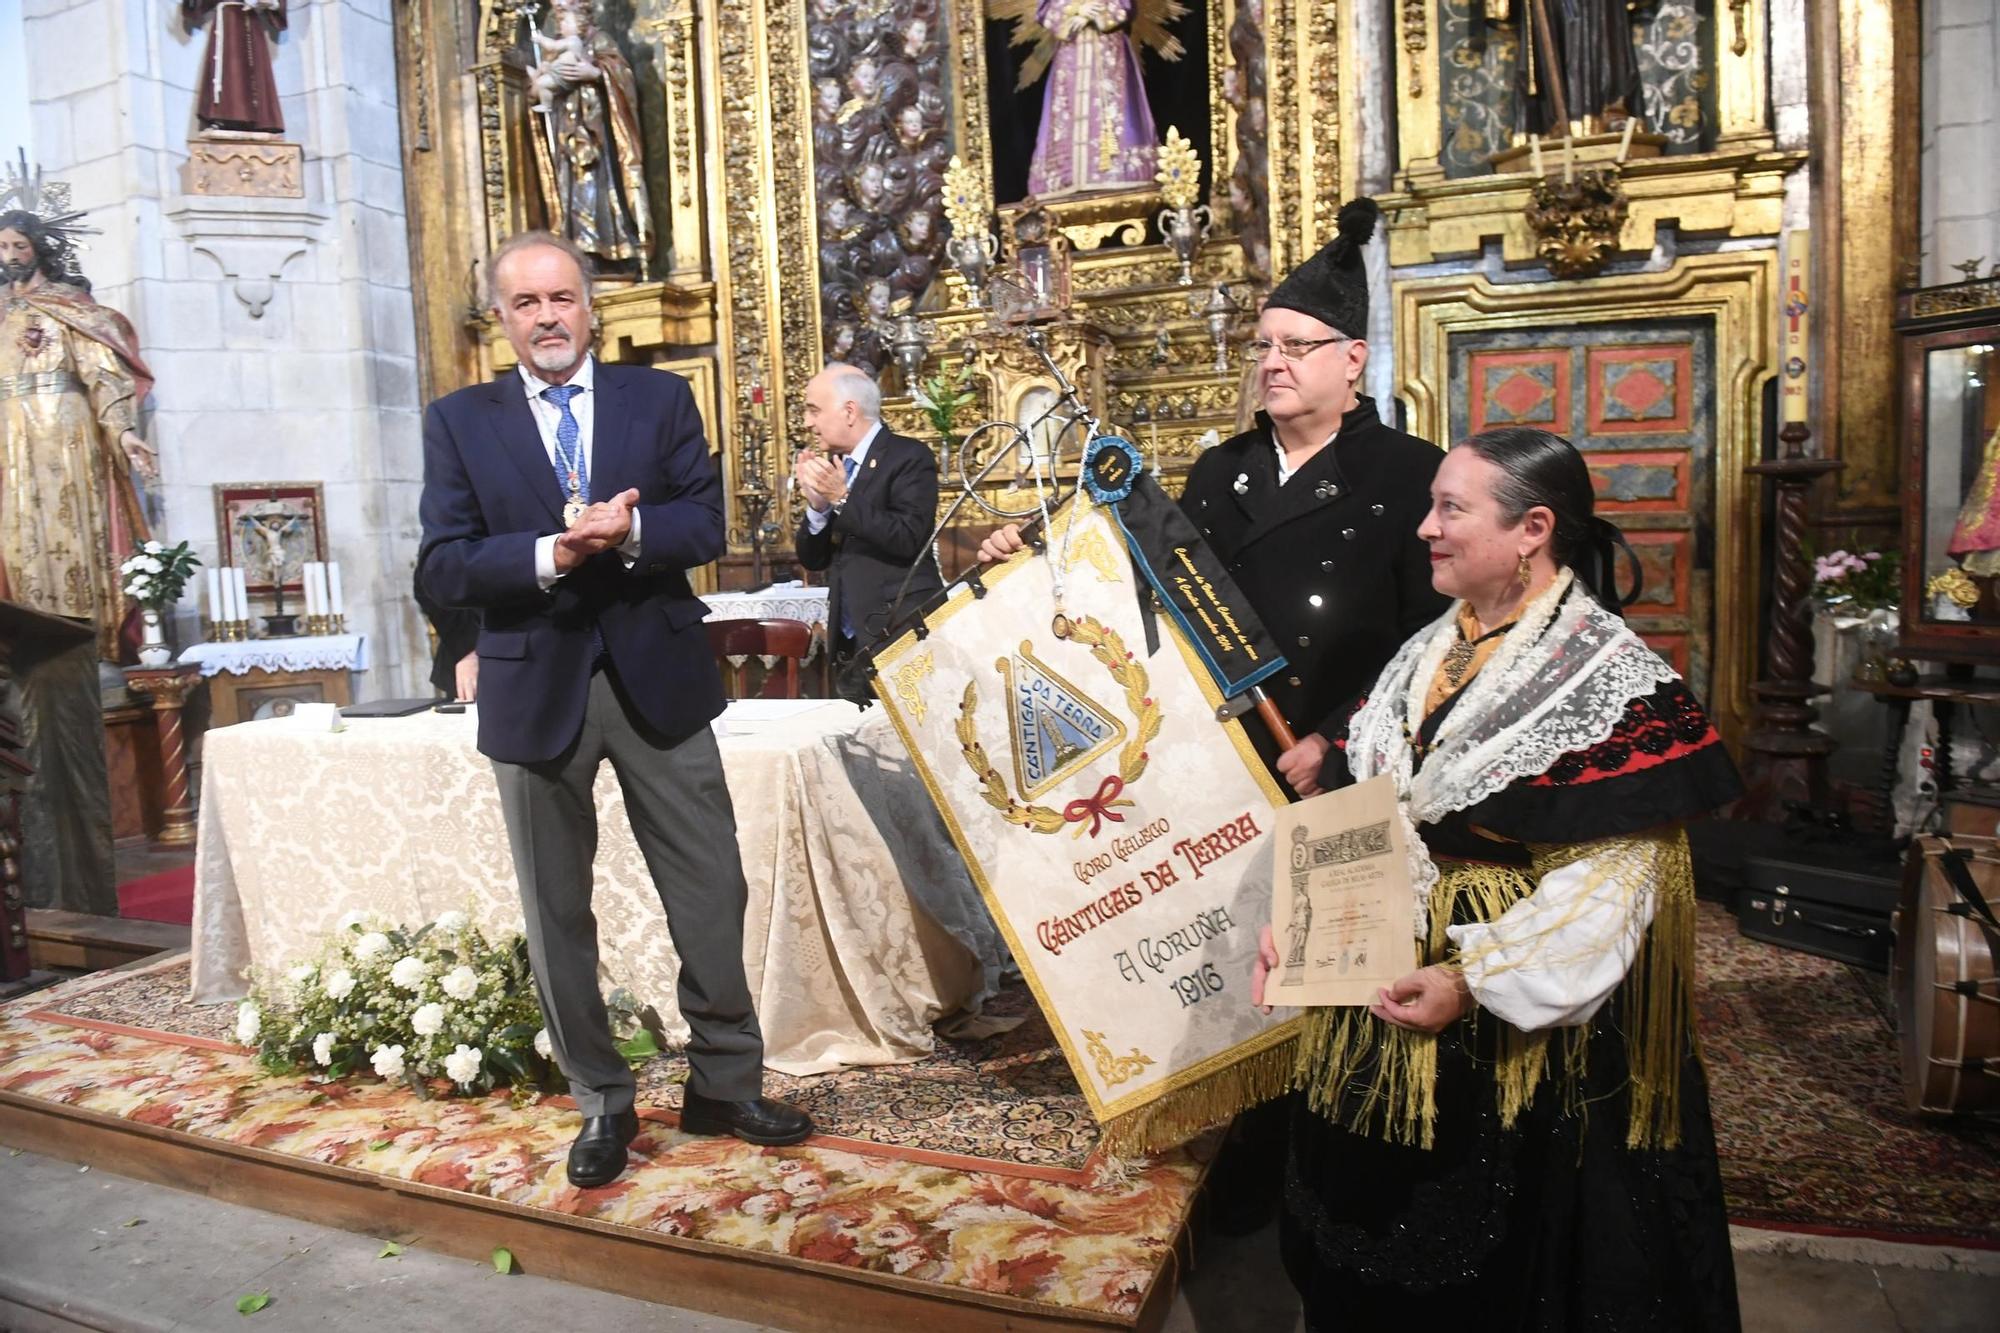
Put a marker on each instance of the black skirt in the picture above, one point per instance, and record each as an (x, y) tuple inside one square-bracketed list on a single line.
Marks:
[(1553, 1224)]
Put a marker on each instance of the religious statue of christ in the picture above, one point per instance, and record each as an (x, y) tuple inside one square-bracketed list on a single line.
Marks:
[(236, 90), (1097, 132)]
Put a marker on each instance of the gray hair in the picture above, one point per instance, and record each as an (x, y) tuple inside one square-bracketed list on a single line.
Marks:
[(852, 384), (528, 240)]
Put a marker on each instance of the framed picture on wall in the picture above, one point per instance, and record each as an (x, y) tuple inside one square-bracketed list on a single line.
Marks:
[(269, 530)]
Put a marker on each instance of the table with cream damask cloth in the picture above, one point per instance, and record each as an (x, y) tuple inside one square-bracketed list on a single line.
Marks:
[(863, 928)]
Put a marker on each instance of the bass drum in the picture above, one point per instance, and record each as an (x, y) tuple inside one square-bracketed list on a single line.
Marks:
[(1942, 975)]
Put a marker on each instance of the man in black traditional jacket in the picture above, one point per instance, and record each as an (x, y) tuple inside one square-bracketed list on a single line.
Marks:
[(1314, 509)]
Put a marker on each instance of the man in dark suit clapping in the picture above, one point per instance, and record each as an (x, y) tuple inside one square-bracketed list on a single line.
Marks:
[(566, 501), (871, 502)]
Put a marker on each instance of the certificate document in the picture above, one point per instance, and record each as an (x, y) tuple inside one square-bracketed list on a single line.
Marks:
[(1341, 898)]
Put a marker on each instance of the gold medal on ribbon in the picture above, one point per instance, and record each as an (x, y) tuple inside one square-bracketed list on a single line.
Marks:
[(572, 512)]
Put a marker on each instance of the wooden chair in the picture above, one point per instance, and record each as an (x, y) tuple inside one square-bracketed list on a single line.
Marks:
[(736, 643)]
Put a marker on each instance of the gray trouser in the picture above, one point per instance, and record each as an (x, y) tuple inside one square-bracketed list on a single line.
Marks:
[(681, 816)]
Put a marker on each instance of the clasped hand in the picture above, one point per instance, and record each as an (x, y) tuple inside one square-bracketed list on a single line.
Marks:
[(823, 480), (1429, 999), (604, 526)]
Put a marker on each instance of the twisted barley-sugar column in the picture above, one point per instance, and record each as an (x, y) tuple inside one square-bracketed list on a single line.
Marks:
[(168, 690)]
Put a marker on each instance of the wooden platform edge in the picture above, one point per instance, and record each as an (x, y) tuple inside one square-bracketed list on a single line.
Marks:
[(800, 1295), (80, 942)]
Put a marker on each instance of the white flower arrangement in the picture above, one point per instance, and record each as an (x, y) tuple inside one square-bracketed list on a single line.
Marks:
[(156, 575), (440, 1008)]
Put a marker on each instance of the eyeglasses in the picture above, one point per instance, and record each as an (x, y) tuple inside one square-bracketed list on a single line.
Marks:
[(1292, 349)]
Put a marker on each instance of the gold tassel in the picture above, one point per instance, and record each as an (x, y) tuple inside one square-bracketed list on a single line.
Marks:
[(1180, 1115), (1375, 1078)]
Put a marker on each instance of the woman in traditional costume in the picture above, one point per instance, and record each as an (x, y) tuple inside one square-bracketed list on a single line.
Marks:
[(1517, 1135)]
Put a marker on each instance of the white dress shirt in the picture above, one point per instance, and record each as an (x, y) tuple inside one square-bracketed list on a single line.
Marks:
[(582, 407), (817, 519)]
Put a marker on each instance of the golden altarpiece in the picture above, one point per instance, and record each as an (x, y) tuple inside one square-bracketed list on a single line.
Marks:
[(849, 179)]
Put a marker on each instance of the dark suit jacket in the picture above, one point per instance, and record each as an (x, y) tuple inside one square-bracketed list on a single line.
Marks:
[(457, 634), (489, 492), (879, 532), (1330, 560)]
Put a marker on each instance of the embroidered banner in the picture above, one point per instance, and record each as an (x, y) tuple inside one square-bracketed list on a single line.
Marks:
[(1121, 835)]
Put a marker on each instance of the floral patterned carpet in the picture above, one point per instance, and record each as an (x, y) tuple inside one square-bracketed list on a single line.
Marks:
[(1093, 1238), (1808, 1100)]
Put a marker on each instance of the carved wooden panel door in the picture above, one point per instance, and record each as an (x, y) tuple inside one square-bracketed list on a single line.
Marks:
[(1638, 399)]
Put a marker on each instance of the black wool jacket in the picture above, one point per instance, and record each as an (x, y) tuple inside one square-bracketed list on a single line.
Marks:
[(1330, 560)]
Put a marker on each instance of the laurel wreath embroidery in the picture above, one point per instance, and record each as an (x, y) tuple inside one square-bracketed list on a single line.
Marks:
[(1108, 647)]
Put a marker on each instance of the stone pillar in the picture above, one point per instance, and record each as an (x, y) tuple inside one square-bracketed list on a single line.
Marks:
[(1960, 209), (281, 329)]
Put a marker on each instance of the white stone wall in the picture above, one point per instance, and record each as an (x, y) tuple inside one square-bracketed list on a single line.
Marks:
[(1960, 208), (323, 386)]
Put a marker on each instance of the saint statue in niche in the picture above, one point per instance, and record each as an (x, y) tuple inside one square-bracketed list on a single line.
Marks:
[(1097, 133), (1579, 71), (588, 154), (237, 91)]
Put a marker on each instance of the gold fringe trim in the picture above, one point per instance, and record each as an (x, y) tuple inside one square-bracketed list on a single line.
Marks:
[(1378, 1079), (1180, 1115)]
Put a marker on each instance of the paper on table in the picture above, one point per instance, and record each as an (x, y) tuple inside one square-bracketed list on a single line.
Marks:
[(1341, 898)]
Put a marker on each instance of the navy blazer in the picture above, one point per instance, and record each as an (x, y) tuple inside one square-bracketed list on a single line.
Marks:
[(490, 492)]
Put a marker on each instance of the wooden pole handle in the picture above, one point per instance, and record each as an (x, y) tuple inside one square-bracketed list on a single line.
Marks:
[(1281, 730)]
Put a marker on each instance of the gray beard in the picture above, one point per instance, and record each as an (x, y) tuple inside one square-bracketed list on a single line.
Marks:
[(17, 273), (553, 359)]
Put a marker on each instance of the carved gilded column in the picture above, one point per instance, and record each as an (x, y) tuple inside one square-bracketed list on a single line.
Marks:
[(169, 688), (1743, 86), (1417, 122), (680, 75)]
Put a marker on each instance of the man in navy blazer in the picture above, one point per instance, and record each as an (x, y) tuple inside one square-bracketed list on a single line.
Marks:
[(565, 502)]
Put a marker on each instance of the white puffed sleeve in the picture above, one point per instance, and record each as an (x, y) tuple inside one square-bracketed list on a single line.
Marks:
[(1554, 957)]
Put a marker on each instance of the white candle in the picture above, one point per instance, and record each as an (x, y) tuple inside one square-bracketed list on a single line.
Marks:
[(242, 595), (215, 615), (228, 580), (319, 587), (306, 582), (1625, 140), (336, 607)]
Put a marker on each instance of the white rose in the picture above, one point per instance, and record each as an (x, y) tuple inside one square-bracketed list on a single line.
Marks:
[(150, 565), (372, 945), (428, 1021), (340, 985), (461, 983), (409, 972), (301, 974), (349, 920), (388, 1062), (462, 1065), (542, 1047), (248, 1023), (451, 923), (323, 1048), (153, 547)]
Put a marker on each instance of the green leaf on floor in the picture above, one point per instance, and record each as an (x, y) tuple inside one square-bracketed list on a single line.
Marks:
[(503, 1260), (252, 1303), (379, 1144), (390, 1249), (137, 1221), (639, 1047), (15, 1152)]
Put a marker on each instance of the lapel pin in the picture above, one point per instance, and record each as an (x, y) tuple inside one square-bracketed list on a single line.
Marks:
[(873, 461), (1242, 483)]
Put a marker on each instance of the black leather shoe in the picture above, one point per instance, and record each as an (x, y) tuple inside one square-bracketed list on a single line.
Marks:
[(598, 1155), (764, 1120)]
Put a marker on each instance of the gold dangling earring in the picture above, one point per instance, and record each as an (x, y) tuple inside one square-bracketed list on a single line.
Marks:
[(1525, 574)]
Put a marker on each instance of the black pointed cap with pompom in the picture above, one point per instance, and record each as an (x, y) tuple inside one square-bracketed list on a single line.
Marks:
[(1332, 286)]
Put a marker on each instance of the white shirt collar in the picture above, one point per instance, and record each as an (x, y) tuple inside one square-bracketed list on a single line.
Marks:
[(584, 379), (860, 451)]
